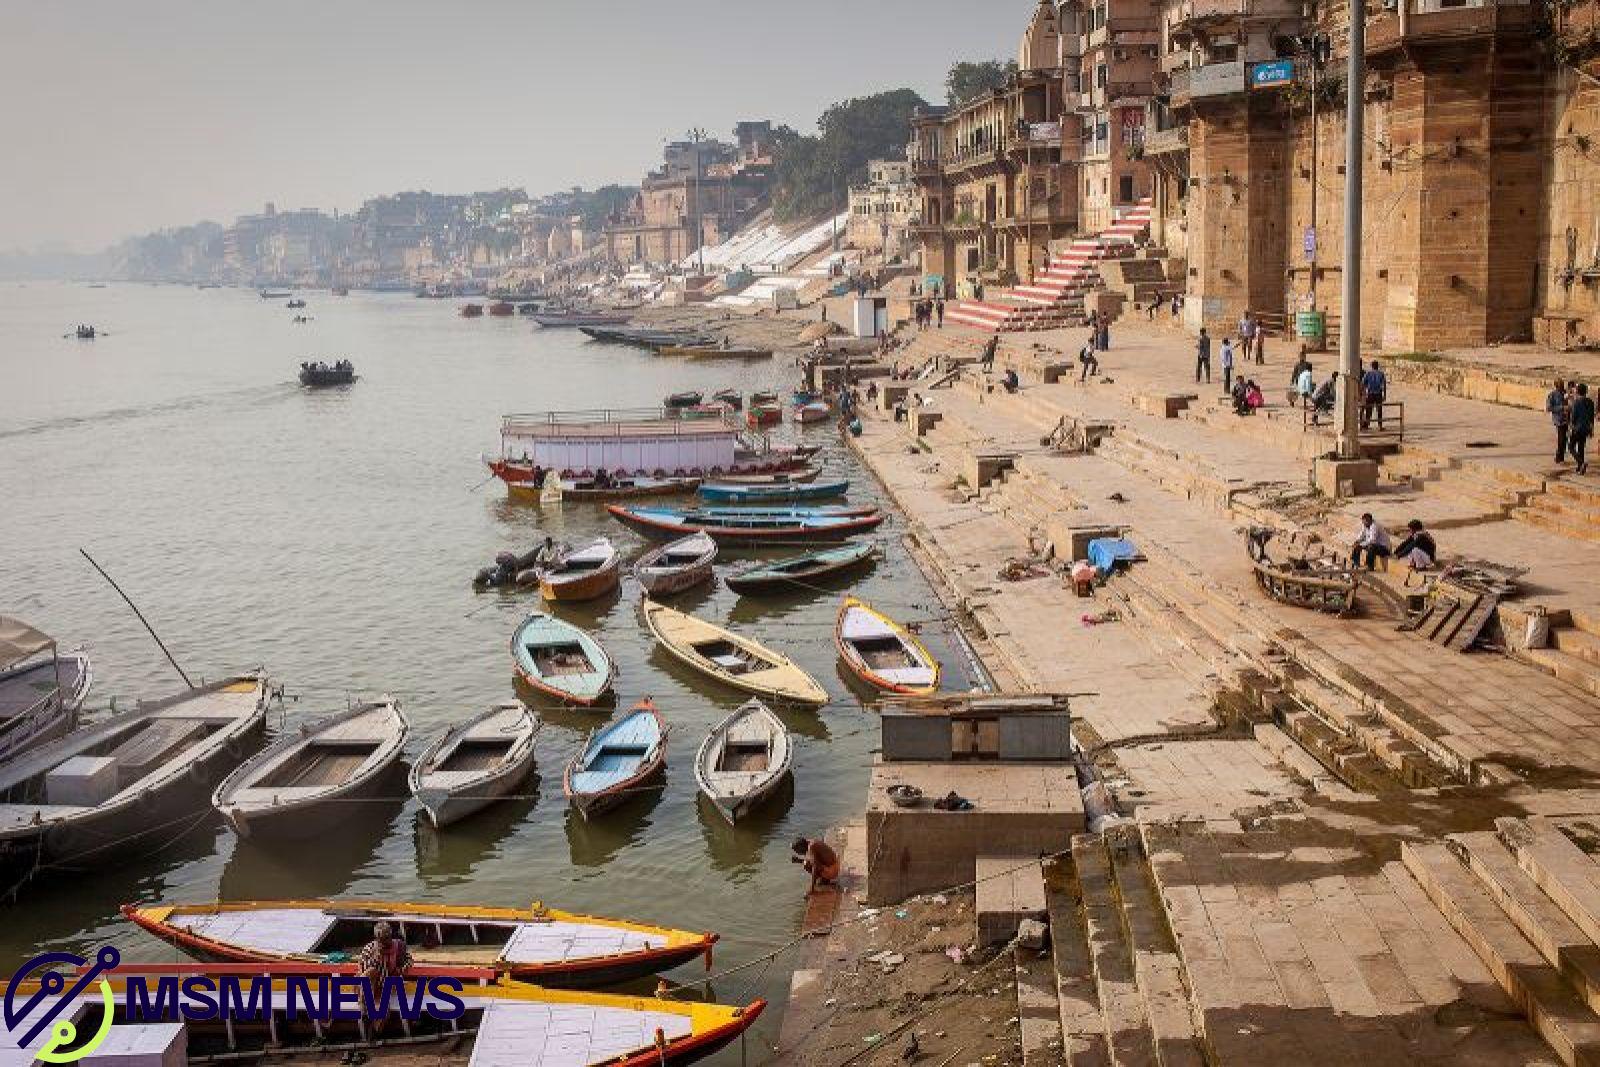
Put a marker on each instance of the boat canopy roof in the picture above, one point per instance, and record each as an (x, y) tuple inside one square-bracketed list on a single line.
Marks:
[(19, 641)]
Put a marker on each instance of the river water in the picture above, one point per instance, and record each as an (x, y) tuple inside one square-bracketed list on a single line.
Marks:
[(330, 537)]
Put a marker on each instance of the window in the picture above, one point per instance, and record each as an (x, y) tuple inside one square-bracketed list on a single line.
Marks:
[(1125, 189), (1100, 75), (972, 259)]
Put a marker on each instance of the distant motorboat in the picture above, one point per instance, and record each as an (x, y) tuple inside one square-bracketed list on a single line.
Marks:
[(318, 375), (501, 309), (340, 290), (471, 311), (85, 333), (275, 294)]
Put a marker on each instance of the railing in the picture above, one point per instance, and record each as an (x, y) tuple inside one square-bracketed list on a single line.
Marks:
[(1213, 79), (1388, 426), (671, 420)]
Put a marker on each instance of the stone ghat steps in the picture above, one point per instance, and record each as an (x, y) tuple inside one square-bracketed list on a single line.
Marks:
[(1571, 509), (1527, 899), (1120, 984), (1300, 948)]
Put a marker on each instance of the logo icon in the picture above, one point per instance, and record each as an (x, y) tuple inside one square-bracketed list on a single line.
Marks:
[(54, 998)]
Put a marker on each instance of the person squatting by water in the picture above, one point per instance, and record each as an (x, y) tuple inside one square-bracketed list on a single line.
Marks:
[(819, 860)]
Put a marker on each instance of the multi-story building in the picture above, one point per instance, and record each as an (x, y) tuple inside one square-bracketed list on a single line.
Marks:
[(703, 192), (997, 177), (1479, 193), (881, 209), (1118, 48)]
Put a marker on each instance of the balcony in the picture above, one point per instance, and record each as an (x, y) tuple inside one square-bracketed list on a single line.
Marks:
[(1442, 22), (1210, 81), (1196, 14), (1162, 142)]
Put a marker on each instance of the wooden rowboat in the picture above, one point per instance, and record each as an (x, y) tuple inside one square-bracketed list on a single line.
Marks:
[(715, 352), (300, 785), (561, 660), (1300, 577), (677, 566), (733, 493), (799, 572), (793, 477), (583, 574), (615, 489), (473, 764), (500, 1022), (618, 762), (815, 411), (744, 760), (731, 659), (124, 783), (746, 526), (533, 944), (882, 652)]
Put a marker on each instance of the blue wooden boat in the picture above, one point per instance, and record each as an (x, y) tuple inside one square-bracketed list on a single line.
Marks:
[(749, 526), (561, 660), (618, 761), (765, 494), (799, 572)]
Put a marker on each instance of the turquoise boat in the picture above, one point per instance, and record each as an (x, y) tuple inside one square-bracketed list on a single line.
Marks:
[(750, 526), (561, 660), (719, 493), (798, 572), (618, 761)]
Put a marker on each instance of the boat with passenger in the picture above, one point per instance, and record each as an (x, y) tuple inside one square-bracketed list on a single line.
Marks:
[(319, 374)]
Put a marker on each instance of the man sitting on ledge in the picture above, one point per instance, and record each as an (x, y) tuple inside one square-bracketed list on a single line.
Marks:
[(1011, 381), (1373, 542), (1419, 549)]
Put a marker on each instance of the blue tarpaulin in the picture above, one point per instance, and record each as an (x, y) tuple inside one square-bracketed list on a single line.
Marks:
[(1106, 552)]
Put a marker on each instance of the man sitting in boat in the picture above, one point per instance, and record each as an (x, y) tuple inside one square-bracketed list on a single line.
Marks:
[(385, 956), (602, 479), (819, 860)]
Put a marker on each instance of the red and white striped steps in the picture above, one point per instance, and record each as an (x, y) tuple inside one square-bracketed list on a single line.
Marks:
[(1055, 298)]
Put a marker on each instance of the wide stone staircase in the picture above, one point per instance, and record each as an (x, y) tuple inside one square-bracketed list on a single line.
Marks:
[(1056, 297), (1526, 897), (1567, 508)]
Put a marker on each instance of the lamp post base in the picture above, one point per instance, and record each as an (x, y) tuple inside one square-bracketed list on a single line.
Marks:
[(1341, 479)]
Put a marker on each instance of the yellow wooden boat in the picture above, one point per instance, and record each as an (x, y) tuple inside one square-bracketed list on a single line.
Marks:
[(499, 1023), (536, 944), (883, 652), (731, 659)]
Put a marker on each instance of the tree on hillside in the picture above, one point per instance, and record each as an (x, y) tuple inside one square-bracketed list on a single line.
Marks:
[(968, 80), (814, 174)]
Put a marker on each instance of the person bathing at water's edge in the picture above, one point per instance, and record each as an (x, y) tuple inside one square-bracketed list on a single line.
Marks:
[(819, 860)]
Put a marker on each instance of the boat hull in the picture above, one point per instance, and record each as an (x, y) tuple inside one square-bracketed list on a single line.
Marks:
[(762, 580), (587, 587), (301, 821), (733, 493), (847, 527), (443, 805), (883, 628), (578, 491)]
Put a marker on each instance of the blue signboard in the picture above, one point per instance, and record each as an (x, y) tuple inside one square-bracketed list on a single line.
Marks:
[(1271, 75)]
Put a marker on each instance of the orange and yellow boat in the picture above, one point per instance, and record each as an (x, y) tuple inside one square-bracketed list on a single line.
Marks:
[(533, 944)]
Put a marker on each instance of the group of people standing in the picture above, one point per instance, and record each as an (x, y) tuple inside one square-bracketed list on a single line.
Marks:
[(928, 311), (1571, 411)]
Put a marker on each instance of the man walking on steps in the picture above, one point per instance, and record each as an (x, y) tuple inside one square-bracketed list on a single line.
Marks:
[(1556, 404), (1202, 356)]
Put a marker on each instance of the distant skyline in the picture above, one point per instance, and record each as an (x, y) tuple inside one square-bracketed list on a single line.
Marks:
[(124, 118)]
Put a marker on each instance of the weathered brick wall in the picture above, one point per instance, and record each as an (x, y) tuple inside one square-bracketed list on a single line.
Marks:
[(1569, 235)]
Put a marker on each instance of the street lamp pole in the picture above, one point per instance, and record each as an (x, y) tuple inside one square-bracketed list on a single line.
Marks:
[(1349, 445)]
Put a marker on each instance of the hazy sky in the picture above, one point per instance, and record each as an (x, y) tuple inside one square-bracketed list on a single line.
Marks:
[(123, 116)]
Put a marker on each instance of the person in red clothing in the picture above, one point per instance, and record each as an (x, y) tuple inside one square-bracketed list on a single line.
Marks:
[(820, 861)]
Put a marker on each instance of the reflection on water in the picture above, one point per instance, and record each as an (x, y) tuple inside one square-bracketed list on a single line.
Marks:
[(332, 537), (737, 849), (449, 857), (595, 842)]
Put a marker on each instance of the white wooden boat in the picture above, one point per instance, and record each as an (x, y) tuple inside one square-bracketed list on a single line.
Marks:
[(584, 573), (677, 566), (882, 652), (41, 688), (534, 944), (744, 760), (731, 659), (302, 784), (129, 781), (475, 763)]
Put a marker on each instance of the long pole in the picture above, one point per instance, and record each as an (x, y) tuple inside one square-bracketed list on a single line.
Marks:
[(1316, 179), (129, 601), (1350, 324)]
